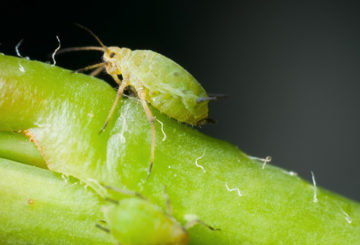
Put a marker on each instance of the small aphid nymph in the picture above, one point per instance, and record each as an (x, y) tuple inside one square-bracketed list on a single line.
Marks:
[(156, 80), (136, 221)]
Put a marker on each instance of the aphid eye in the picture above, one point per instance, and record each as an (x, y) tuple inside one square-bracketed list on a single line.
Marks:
[(112, 54)]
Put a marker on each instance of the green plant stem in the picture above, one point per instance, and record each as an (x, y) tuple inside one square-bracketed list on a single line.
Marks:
[(40, 207), (206, 177), (16, 147)]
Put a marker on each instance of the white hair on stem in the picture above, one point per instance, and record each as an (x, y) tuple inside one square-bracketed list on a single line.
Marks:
[(162, 129), (233, 189), (265, 161), (55, 51), (17, 46), (198, 165), (315, 199)]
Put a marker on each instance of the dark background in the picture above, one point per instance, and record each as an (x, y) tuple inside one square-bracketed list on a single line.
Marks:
[(290, 68)]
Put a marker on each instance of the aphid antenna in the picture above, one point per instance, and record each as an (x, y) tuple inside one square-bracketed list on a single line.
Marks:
[(92, 34), (86, 48), (103, 47)]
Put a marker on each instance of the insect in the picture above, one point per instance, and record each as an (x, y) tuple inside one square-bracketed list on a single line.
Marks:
[(136, 221), (157, 80)]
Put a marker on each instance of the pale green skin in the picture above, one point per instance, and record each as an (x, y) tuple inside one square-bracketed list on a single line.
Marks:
[(168, 87), (135, 221)]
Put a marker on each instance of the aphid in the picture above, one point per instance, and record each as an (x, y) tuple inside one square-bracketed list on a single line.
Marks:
[(136, 221), (156, 80)]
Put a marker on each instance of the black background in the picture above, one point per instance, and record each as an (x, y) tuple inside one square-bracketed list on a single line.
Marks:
[(290, 68)]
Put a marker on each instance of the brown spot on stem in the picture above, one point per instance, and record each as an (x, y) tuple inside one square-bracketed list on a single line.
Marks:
[(32, 139)]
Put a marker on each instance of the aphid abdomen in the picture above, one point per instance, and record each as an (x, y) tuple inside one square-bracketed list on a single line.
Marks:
[(169, 87), (177, 107)]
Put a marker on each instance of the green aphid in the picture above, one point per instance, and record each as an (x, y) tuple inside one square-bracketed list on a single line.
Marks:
[(135, 221), (156, 80)]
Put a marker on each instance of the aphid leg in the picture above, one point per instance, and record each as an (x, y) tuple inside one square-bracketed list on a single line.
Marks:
[(120, 92), (118, 81), (196, 221), (111, 200), (91, 67), (107, 230), (151, 120), (125, 192), (102, 228), (168, 204), (97, 71)]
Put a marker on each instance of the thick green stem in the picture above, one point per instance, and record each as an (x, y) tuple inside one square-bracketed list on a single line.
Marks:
[(16, 147), (63, 112), (39, 207)]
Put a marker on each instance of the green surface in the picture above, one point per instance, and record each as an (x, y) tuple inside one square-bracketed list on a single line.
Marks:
[(41, 207), (14, 146), (64, 113)]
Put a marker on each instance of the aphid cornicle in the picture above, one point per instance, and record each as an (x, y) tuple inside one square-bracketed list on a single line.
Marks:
[(157, 80)]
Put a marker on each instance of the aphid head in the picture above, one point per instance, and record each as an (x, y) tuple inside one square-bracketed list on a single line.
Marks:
[(115, 57), (112, 54), (115, 54)]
